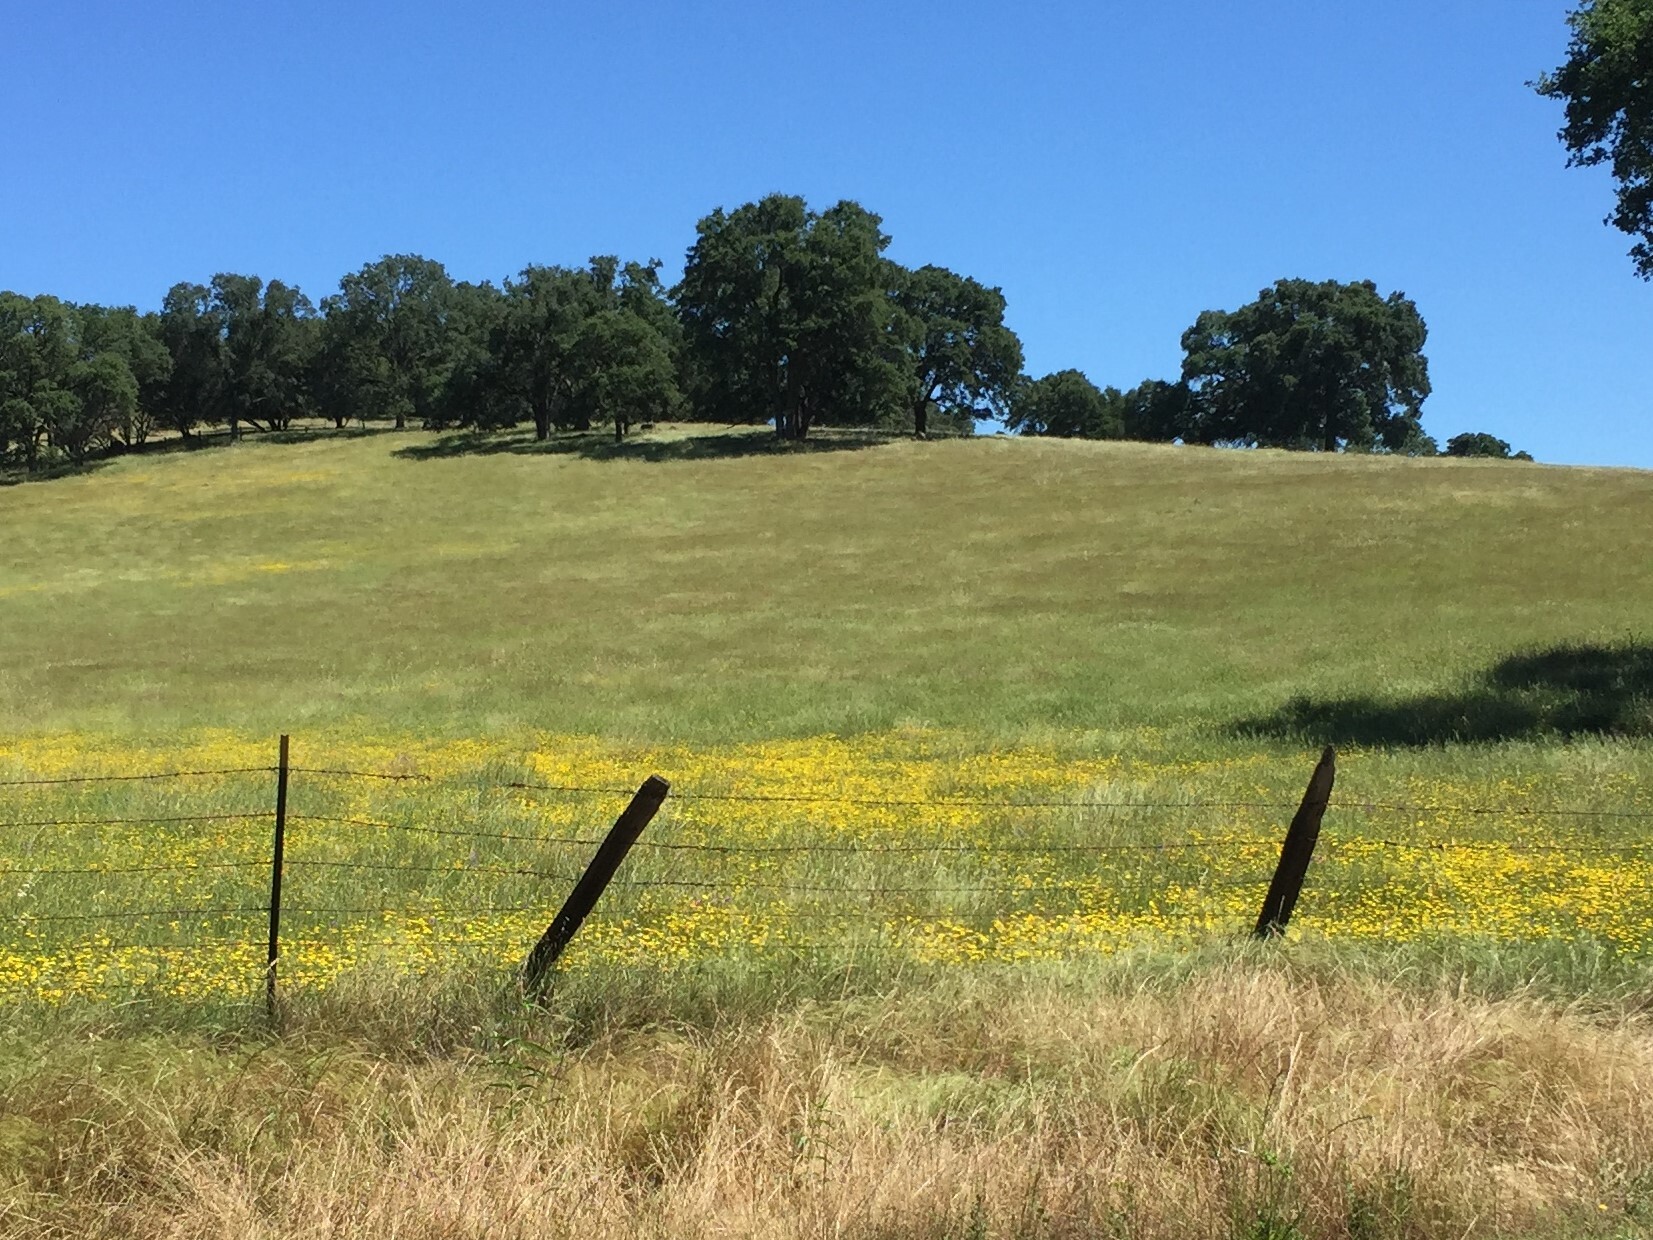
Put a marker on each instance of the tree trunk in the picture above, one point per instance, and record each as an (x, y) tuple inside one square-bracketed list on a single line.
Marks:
[(619, 430), (542, 422), (921, 419)]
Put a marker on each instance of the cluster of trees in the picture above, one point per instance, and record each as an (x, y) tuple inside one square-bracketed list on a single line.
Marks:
[(1320, 366), (784, 315), (400, 341)]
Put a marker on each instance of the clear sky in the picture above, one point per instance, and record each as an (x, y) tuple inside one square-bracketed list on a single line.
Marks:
[(1116, 168)]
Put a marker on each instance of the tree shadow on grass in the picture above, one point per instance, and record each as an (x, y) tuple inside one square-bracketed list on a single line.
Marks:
[(1568, 690), (601, 446), (11, 476), (169, 444)]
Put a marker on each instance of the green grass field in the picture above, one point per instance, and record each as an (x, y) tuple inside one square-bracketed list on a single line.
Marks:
[(1052, 704), (1003, 588)]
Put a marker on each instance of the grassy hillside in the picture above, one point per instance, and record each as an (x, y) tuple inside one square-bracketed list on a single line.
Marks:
[(980, 753), (710, 589)]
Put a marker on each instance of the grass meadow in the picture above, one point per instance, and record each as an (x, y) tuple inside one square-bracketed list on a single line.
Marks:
[(981, 752)]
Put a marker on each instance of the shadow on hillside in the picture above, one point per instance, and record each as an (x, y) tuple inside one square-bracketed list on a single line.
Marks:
[(170, 444), (11, 477), (600, 446), (1565, 691)]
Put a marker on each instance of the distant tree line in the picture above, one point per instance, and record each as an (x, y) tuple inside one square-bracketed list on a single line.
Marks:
[(784, 315)]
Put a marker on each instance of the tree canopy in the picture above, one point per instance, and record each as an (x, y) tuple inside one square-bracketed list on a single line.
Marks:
[(1067, 404), (789, 316), (1607, 86), (784, 315), (1479, 443), (1308, 365), (961, 358)]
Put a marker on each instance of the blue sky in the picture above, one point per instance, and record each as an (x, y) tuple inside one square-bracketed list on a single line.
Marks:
[(1115, 168)]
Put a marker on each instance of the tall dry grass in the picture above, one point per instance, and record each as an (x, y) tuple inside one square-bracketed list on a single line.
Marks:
[(1245, 1099)]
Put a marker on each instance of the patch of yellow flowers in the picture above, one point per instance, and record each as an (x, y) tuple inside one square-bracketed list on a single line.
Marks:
[(931, 847)]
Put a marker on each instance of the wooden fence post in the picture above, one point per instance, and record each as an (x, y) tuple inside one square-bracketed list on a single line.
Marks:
[(276, 852), (610, 853), (1297, 850)]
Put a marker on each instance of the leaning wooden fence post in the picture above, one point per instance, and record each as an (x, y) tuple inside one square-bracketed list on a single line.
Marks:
[(610, 853), (1297, 850), (276, 851)]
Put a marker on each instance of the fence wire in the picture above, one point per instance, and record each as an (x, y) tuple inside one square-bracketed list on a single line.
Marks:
[(858, 898)]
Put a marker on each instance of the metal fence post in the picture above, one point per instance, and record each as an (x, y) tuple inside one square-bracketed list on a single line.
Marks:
[(276, 852)]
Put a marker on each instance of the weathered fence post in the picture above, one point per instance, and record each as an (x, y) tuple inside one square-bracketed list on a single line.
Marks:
[(275, 883), (1297, 850), (610, 853)]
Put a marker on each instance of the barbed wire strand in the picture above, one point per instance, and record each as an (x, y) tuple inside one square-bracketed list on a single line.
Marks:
[(145, 821), (980, 849), (805, 798), (125, 914), (138, 869), (185, 945), (343, 774), (725, 884), (110, 779), (768, 849), (1545, 811)]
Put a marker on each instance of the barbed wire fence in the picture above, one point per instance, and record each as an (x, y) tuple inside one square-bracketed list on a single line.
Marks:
[(244, 905)]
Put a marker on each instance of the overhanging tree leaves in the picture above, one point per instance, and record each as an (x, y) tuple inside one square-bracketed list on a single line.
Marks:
[(1308, 365), (961, 358), (1607, 86)]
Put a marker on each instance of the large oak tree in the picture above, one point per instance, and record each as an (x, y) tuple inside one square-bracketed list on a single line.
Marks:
[(1308, 365), (961, 358), (788, 315)]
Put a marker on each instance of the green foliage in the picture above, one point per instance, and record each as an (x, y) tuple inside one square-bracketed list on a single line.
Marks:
[(1308, 365), (105, 401), (267, 337), (192, 333), (1479, 443), (622, 371), (1607, 86), (67, 382), (1157, 411), (961, 358), (578, 347), (1067, 404), (390, 317), (788, 315), (135, 339)]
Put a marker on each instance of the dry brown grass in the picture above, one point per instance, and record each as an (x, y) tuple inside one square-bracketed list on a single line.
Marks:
[(1249, 1099)]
